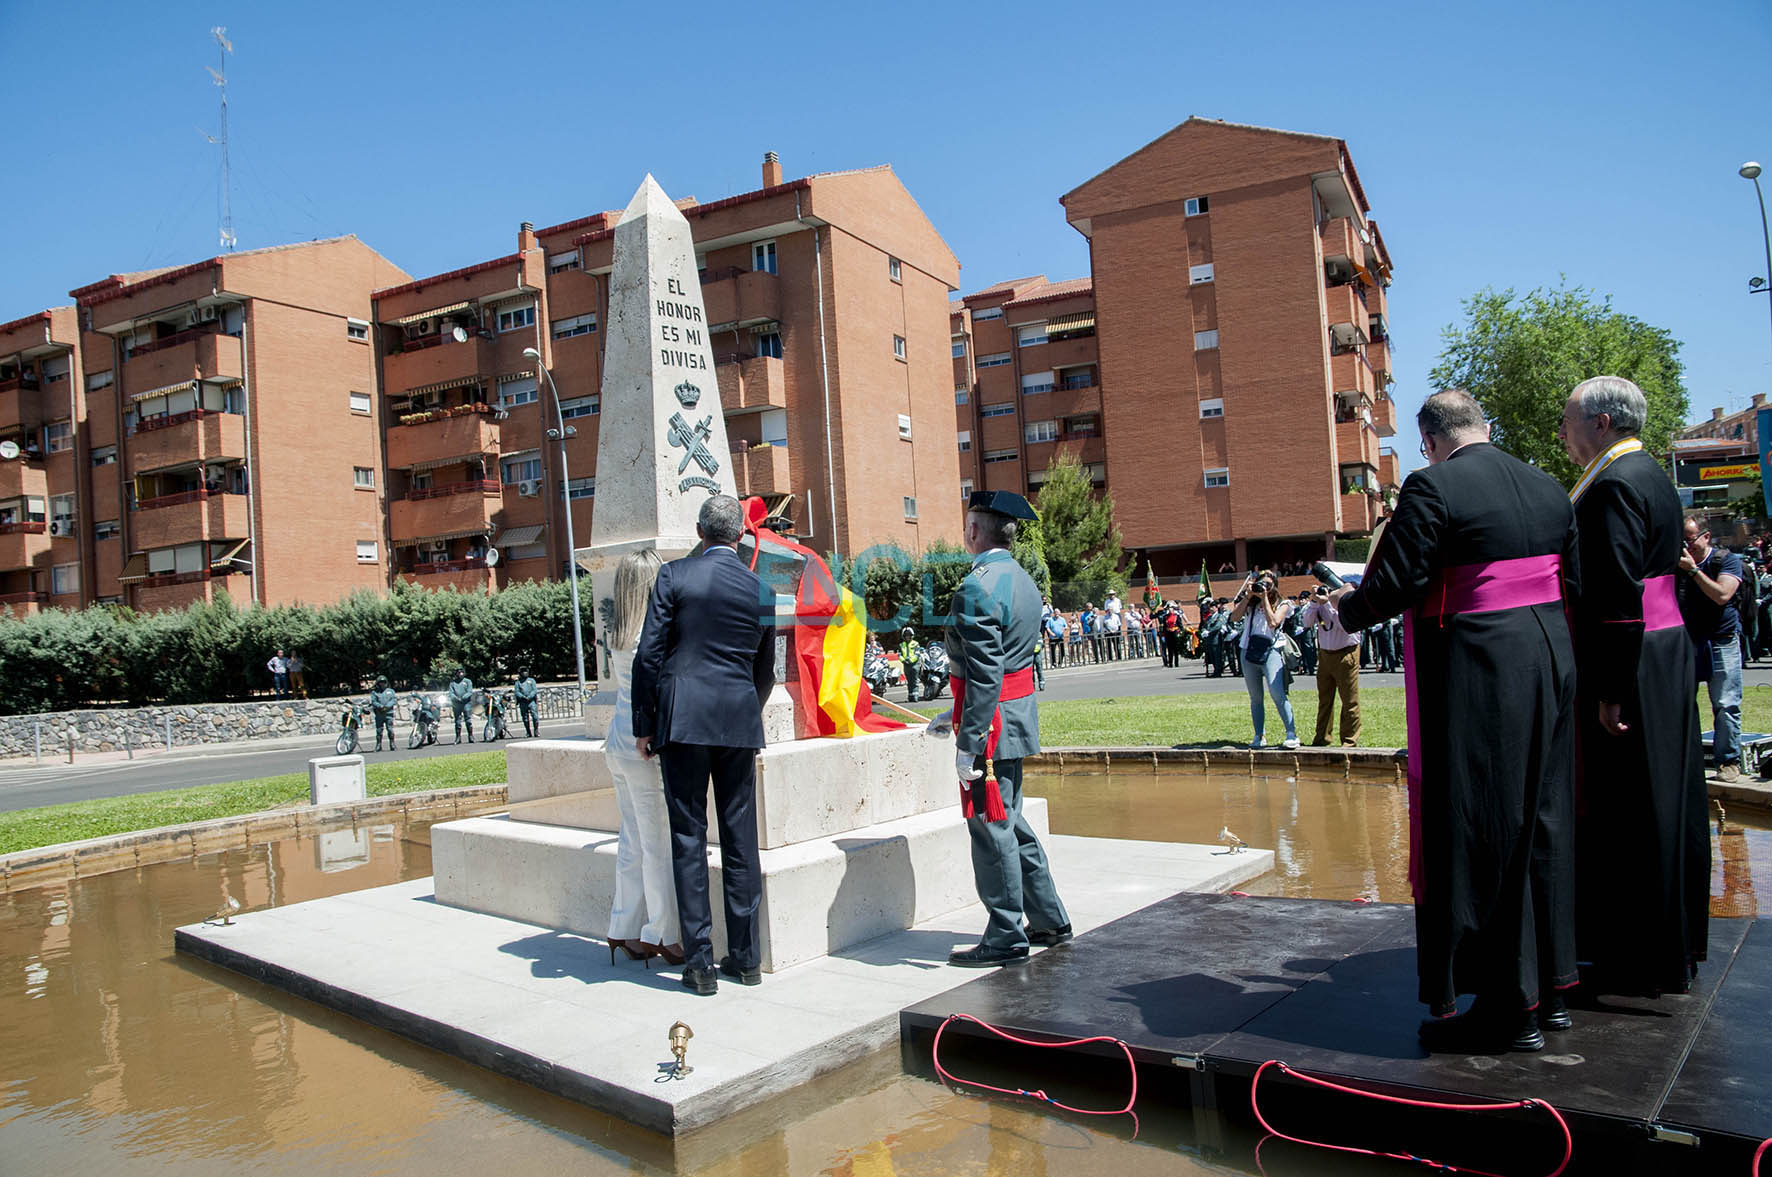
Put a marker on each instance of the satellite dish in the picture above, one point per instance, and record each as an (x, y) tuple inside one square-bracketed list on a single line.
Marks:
[(8, 450), (491, 557), (459, 334)]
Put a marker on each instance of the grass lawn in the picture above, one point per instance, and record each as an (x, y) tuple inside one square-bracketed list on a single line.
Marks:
[(27, 829)]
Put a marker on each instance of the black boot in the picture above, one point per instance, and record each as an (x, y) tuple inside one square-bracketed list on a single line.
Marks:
[(1486, 1029)]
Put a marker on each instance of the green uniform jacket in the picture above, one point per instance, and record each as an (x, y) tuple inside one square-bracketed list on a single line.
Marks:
[(461, 691), (384, 700), (995, 630), (526, 690)]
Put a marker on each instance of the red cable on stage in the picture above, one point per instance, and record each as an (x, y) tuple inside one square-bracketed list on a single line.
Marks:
[(1131, 1065), (1255, 1106), (1760, 1152)]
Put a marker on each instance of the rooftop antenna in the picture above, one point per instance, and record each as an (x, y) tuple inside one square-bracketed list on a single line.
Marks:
[(221, 140)]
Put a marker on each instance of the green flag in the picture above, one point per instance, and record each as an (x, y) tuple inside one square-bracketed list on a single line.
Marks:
[(1205, 584)]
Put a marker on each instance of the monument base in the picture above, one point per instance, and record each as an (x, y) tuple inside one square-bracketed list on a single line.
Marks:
[(819, 896)]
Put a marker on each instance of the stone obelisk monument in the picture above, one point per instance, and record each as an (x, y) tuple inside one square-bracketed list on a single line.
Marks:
[(661, 439)]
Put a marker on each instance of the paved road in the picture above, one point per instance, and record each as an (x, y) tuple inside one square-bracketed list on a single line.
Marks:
[(54, 783)]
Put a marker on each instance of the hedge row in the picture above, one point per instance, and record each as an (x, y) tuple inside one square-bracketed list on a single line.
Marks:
[(59, 660)]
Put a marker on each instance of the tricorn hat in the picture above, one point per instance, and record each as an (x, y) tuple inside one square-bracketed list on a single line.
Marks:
[(1000, 502)]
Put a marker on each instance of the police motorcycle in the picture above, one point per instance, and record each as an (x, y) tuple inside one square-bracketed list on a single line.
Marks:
[(932, 670), (494, 727), (347, 735), (426, 712), (876, 669)]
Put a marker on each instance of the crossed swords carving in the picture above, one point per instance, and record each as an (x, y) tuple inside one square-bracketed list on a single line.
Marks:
[(693, 439)]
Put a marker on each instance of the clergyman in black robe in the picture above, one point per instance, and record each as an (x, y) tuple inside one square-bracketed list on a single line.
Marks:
[(1476, 557), (1642, 837)]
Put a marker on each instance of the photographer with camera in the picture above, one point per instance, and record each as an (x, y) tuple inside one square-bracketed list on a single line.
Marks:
[(1338, 670), (1266, 611)]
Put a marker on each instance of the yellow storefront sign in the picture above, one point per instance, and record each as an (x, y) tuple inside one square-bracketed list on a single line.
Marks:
[(1723, 473)]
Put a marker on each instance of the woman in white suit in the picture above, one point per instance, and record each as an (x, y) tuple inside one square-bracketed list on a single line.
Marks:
[(643, 920)]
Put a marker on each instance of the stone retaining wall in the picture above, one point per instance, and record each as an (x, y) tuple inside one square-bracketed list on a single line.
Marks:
[(113, 729)]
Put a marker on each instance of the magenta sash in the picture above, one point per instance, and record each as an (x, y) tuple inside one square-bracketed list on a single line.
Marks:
[(1468, 588), (1661, 608)]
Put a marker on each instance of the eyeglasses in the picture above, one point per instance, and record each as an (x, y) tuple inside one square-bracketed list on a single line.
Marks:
[(1423, 448)]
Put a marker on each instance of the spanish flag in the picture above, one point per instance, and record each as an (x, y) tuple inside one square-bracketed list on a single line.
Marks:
[(830, 635)]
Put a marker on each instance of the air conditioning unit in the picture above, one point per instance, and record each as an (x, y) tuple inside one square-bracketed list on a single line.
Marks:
[(529, 487), (437, 545), (56, 527), (209, 314), (426, 326)]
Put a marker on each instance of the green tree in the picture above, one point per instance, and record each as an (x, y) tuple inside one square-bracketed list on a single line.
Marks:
[(1522, 356), (1081, 544)]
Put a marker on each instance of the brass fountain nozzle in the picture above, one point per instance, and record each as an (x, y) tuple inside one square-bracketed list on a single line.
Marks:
[(680, 1034)]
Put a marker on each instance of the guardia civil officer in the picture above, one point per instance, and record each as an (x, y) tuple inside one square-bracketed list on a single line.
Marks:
[(993, 632), (461, 702), (526, 692), (382, 701)]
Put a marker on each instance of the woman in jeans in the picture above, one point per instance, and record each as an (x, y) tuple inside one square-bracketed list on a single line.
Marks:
[(1263, 662)]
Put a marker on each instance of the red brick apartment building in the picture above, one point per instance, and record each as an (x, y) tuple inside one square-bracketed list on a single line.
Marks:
[(1225, 370), (183, 430), (298, 422), (828, 300)]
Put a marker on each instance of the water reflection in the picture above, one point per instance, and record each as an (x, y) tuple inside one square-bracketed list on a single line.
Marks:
[(121, 1058)]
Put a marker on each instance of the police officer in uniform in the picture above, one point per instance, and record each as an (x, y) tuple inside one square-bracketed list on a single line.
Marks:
[(990, 643), (461, 702), (382, 701), (526, 691)]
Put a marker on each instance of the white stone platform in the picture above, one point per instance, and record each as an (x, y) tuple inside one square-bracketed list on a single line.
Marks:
[(547, 1007)]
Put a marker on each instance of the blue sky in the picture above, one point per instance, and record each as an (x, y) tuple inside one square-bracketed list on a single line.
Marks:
[(1501, 144)]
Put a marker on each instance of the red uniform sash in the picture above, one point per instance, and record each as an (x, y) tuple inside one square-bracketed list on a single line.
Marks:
[(1017, 684), (1469, 588)]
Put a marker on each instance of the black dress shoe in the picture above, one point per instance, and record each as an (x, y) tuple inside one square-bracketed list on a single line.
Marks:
[(1553, 1013), (1051, 938), (744, 976), (1482, 1032), (701, 982), (986, 957)]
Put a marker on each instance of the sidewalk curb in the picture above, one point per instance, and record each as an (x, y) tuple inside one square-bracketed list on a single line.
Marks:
[(1367, 762), (94, 856)]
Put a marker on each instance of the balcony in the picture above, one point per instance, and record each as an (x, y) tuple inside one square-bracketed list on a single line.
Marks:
[(1062, 353), (445, 512), (1384, 417), (202, 352), (750, 383), (1349, 372), (182, 438), (21, 544), (20, 404), (441, 441), (23, 604), (1065, 402), (1390, 475), (1359, 512), (1354, 443), (468, 575), (1378, 354), (1341, 244), (737, 298), (1345, 312), (188, 517), (761, 469), (438, 359), (19, 477)]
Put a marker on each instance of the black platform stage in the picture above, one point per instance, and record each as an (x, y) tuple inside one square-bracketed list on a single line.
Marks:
[(1212, 986)]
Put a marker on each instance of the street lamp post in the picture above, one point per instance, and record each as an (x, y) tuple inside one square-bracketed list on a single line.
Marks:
[(578, 638), (1751, 171)]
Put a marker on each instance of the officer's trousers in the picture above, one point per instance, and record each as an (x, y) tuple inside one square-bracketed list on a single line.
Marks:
[(1010, 870)]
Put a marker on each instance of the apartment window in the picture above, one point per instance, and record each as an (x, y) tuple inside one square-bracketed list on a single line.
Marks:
[(1218, 476), (521, 467), (894, 270), (999, 455), (582, 488), (1088, 425), (910, 508), (965, 439), (769, 344), (104, 455), (421, 480), (107, 529), (959, 346), (559, 263), (64, 578), (1007, 410), (518, 390), (58, 437), (99, 380), (515, 318), (904, 427), (61, 514), (763, 257), (898, 347), (363, 477), (1075, 378), (533, 551), (994, 360), (366, 551), (984, 313), (576, 325), (56, 368), (1205, 339), (360, 403), (1199, 274), (1039, 431), (1034, 383), (1212, 408), (234, 400), (1194, 206), (965, 489), (1031, 335), (357, 330), (581, 406), (961, 396)]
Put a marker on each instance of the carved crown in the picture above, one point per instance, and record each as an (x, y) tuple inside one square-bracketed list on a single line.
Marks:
[(688, 394)]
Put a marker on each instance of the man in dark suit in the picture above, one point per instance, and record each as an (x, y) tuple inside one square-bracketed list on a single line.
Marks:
[(705, 666)]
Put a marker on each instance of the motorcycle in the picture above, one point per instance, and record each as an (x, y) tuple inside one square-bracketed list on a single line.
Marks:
[(347, 735), (494, 728), (876, 670), (426, 711), (932, 671)]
